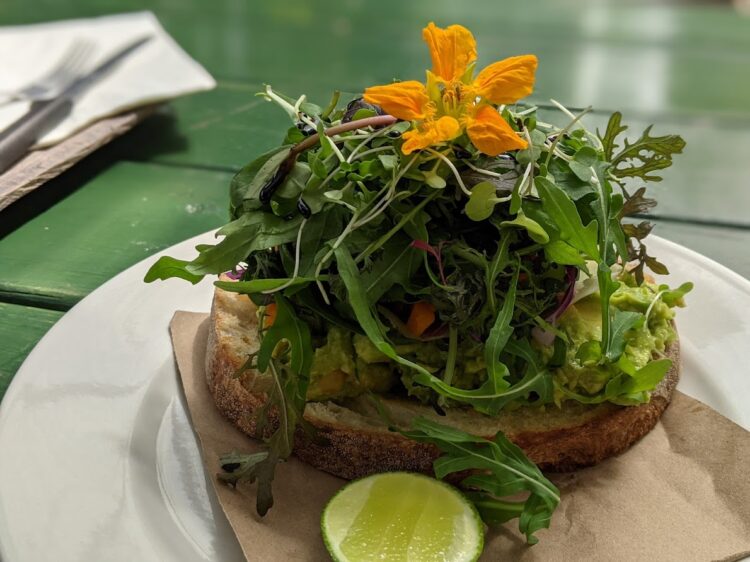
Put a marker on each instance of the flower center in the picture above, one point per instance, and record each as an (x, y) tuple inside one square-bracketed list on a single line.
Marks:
[(454, 97)]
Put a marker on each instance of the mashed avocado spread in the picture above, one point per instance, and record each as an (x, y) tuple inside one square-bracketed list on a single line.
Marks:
[(349, 364), (582, 323)]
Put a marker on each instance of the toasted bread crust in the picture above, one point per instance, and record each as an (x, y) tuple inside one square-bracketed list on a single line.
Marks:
[(352, 444)]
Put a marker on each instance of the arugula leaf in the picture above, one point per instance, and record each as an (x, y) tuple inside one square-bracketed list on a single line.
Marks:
[(326, 145), (523, 349), (249, 233), (498, 263), (647, 377), (290, 374), (641, 158), (607, 286), (637, 203), (318, 166), (563, 211), (568, 181), (496, 392), (622, 322), (319, 229), (617, 237), (638, 231), (362, 308), (613, 130), (247, 183), (487, 399), (287, 327), (559, 251), (630, 387), (395, 265), (582, 162), (504, 471), (606, 208), (497, 372), (260, 285), (556, 249), (167, 267), (295, 181), (535, 230), (639, 253)]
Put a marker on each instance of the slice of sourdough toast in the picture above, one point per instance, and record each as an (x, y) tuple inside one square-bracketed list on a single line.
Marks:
[(353, 442)]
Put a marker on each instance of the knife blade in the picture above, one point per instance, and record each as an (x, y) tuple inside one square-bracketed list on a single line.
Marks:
[(43, 116)]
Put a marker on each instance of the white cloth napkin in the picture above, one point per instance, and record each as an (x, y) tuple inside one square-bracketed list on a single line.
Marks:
[(157, 71)]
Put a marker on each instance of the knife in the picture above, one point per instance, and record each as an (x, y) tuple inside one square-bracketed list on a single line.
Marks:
[(44, 115)]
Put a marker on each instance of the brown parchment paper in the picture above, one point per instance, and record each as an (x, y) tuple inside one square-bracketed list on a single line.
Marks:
[(682, 493), (41, 165)]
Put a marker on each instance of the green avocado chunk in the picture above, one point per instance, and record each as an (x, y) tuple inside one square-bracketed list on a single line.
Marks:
[(581, 322), (346, 366)]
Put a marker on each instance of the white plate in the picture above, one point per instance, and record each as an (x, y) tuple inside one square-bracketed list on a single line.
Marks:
[(97, 457)]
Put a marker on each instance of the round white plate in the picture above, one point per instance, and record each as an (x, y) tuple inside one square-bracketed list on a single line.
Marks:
[(97, 457)]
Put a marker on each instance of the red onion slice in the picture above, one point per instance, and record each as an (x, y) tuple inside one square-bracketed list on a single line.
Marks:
[(546, 337), (236, 274)]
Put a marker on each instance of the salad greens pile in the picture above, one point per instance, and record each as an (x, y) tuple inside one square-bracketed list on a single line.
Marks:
[(337, 227)]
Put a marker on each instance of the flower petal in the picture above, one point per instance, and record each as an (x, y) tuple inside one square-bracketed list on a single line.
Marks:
[(446, 128), (404, 100), (452, 50), (430, 133), (507, 81), (490, 133), (416, 139)]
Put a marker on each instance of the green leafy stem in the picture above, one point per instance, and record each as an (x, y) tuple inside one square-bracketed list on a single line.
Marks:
[(499, 469)]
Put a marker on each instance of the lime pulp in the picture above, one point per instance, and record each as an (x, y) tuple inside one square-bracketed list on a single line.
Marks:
[(401, 517)]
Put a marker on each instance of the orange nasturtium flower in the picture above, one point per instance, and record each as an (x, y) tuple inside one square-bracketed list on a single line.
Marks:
[(453, 99)]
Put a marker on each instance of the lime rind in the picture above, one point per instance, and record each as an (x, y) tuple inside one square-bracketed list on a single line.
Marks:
[(401, 516)]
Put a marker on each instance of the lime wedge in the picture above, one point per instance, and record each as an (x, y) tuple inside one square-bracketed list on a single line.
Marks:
[(401, 517)]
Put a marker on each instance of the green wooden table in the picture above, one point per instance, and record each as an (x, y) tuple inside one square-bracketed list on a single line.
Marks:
[(684, 68)]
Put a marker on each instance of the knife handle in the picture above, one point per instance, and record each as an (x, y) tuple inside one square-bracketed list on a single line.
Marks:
[(23, 133)]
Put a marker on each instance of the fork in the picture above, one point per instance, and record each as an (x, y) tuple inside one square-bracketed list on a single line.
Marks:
[(63, 73)]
